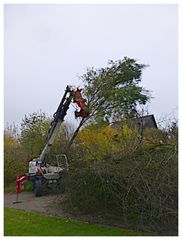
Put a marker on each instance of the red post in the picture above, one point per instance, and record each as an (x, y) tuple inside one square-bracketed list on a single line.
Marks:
[(18, 186)]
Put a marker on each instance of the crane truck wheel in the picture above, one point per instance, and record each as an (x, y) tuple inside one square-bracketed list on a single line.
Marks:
[(38, 188)]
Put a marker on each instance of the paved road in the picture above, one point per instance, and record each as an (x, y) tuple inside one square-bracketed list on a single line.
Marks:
[(45, 204)]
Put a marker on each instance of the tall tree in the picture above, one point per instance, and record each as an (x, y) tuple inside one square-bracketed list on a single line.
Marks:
[(114, 92)]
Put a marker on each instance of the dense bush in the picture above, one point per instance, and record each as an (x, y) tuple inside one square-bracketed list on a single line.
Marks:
[(14, 159), (139, 188)]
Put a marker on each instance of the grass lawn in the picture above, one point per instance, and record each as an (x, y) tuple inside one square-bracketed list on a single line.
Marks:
[(22, 223)]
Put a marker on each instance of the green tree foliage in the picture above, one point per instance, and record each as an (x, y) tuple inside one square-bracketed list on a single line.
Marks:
[(34, 129), (114, 91), (14, 157)]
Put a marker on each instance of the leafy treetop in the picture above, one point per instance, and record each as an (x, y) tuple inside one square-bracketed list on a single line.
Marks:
[(114, 92)]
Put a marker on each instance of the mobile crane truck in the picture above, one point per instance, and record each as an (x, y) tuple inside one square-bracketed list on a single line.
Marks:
[(40, 173)]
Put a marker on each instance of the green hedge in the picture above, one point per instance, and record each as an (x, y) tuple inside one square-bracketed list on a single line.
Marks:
[(140, 190)]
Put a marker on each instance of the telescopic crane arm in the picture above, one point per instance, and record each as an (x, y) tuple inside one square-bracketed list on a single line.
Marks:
[(69, 95), (57, 121)]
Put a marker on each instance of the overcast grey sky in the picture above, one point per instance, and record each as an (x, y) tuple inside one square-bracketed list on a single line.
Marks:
[(48, 46)]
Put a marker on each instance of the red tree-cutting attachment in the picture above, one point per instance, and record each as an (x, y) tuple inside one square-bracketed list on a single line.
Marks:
[(80, 101)]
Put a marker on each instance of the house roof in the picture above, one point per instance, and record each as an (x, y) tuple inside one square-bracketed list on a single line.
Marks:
[(147, 121)]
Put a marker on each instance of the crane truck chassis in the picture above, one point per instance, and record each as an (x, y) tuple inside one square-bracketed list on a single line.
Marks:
[(40, 173)]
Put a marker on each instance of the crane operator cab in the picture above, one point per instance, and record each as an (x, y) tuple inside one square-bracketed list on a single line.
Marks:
[(45, 175), (36, 167)]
